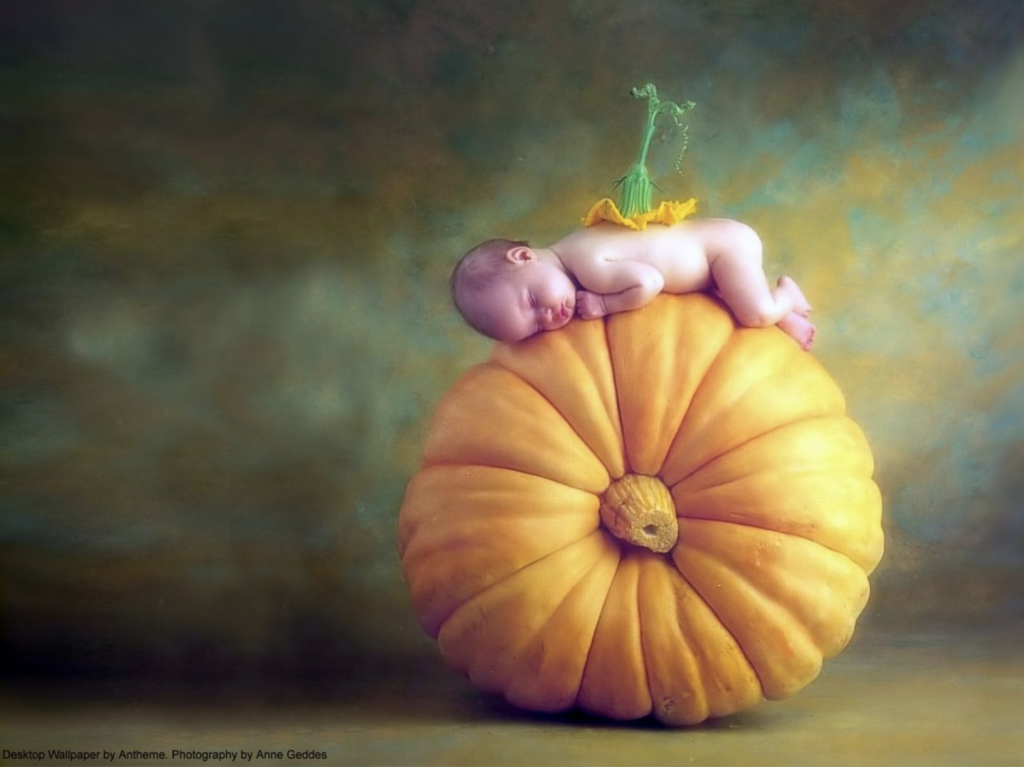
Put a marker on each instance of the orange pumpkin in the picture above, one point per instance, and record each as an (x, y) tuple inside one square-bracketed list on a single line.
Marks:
[(658, 513)]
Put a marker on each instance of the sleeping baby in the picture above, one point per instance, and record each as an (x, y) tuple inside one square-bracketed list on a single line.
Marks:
[(509, 290)]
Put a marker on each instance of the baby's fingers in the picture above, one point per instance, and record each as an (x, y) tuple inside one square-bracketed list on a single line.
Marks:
[(589, 306)]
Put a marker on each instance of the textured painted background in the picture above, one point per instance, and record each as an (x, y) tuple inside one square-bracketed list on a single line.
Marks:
[(226, 229)]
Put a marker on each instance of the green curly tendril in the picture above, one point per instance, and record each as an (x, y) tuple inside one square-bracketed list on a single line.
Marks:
[(636, 185)]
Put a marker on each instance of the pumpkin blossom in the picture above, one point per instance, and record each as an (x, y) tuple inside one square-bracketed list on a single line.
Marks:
[(635, 210), (668, 213)]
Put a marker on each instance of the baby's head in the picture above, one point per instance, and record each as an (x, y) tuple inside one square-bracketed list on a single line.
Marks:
[(509, 291)]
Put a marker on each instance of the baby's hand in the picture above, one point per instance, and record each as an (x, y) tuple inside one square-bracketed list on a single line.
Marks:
[(589, 306)]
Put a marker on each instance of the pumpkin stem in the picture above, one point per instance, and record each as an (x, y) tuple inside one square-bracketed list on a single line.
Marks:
[(635, 197), (639, 510)]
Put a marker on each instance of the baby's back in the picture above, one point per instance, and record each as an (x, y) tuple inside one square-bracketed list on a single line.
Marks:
[(676, 251)]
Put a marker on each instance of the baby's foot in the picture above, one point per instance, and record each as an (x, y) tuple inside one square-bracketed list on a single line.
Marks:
[(800, 304), (800, 328)]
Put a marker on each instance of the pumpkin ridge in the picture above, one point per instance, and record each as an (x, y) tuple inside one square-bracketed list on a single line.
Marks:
[(504, 358), (803, 624), (708, 374), (756, 372), (828, 471), (640, 628), (672, 365), (514, 573), (793, 599), (744, 443), (600, 613), (760, 526), (688, 633), (867, 562), (725, 627), (726, 483), (777, 428), (500, 608), (457, 464), (497, 361), (754, 524), (465, 418), (802, 631), (590, 640), (555, 407), (619, 393), (700, 686), (700, 660), (435, 529), (570, 424)]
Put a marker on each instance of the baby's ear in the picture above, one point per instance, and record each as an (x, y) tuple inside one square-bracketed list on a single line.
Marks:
[(520, 254)]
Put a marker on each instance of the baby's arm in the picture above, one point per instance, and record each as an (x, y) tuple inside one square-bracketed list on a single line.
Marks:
[(615, 286)]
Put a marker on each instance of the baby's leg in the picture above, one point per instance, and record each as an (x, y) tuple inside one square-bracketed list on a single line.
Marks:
[(800, 304), (743, 286)]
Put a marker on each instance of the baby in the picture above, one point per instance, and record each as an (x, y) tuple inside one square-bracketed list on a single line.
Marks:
[(510, 291)]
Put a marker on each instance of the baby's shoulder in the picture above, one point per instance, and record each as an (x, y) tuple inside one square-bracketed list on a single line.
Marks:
[(584, 241)]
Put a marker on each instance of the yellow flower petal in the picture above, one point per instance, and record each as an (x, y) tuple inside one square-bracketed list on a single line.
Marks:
[(668, 213)]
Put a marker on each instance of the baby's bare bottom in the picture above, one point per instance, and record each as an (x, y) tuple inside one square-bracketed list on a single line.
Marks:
[(741, 282)]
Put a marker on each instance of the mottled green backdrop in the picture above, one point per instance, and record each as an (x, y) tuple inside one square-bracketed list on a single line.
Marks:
[(226, 229)]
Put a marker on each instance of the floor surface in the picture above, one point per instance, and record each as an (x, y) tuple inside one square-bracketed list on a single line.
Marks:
[(927, 700)]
